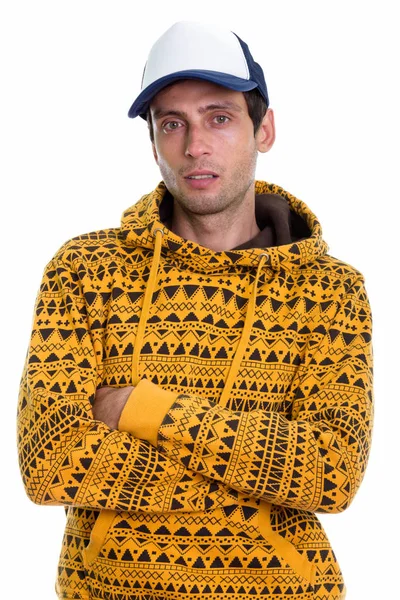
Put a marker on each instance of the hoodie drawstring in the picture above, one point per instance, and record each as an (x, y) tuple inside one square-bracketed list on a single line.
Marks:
[(244, 339), (146, 305), (237, 359)]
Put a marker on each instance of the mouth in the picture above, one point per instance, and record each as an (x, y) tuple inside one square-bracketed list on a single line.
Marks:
[(199, 180), (201, 175)]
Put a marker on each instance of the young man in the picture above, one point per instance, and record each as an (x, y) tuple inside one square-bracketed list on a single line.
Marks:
[(199, 381)]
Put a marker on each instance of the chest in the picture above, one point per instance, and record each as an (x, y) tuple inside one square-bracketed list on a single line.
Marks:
[(193, 327)]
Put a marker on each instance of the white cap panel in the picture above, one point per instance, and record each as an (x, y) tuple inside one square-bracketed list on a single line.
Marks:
[(187, 51)]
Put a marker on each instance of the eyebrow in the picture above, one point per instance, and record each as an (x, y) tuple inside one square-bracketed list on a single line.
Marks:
[(160, 112)]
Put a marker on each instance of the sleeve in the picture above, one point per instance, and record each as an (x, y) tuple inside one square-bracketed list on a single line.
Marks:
[(68, 458), (314, 460)]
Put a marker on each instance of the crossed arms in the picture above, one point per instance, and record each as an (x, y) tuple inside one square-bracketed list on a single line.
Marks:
[(188, 453)]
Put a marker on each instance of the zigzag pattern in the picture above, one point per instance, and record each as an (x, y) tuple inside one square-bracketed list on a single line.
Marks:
[(295, 433)]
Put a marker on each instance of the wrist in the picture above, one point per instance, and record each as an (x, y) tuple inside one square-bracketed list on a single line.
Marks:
[(117, 404), (109, 404)]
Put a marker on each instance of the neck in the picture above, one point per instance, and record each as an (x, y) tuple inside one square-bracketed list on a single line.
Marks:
[(219, 232)]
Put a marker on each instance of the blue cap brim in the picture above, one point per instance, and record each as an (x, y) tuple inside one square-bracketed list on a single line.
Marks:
[(142, 102)]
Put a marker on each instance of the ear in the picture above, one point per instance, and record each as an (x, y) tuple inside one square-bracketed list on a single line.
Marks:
[(265, 135)]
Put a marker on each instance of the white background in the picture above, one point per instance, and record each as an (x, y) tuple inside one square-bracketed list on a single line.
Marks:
[(71, 162)]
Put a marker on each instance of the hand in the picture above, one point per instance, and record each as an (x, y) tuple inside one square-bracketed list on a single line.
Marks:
[(109, 403)]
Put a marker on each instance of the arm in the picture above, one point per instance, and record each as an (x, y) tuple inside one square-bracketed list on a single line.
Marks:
[(314, 461), (67, 457)]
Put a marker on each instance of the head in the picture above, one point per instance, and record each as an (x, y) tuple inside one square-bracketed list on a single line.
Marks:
[(206, 104)]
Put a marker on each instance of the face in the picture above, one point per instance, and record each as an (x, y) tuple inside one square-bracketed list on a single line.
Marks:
[(205, 147)]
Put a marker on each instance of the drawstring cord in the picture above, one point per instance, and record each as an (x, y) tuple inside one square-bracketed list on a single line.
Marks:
[(146, 305), (244, 339), (237, 359)]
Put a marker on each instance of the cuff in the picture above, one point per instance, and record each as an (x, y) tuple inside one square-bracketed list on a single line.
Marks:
[(145, 410)]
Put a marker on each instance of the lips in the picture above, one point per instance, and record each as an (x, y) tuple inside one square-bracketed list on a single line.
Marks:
[(199, 175), (201, 180)]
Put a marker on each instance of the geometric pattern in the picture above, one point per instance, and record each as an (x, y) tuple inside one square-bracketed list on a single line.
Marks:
[(291, 438)]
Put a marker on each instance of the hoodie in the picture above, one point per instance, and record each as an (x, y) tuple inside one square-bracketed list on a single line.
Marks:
[(251, 410)]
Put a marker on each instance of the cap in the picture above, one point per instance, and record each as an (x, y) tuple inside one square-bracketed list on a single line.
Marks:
[(190, 50)]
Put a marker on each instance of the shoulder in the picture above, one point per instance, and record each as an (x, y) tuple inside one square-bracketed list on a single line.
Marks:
[(333, 265), (91, 247), (342, 276)]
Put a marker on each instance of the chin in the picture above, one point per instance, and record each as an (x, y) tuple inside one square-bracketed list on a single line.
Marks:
[(202, 205)]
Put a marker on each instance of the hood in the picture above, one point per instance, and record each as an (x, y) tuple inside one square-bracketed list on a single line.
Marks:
[(290, 231), (283, 220)]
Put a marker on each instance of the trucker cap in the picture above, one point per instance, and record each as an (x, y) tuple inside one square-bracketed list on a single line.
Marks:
[(190, 50)]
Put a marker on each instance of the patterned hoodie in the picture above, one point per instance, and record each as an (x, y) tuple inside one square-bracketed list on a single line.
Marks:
[(252, 408)]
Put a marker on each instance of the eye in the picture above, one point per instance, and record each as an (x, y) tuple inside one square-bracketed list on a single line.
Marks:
[(221, 119), (171, 125)]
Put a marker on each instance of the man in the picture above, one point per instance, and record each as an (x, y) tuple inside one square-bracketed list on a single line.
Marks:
[(199, 381)]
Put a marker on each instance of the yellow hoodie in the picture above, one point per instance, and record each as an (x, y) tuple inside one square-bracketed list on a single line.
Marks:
[(252, 410)]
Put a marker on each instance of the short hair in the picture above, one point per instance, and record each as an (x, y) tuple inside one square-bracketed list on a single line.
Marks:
[(256, 106)]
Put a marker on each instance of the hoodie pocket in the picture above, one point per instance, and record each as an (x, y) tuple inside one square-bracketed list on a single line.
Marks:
[(284, 549), (98, 536), (205, 552)]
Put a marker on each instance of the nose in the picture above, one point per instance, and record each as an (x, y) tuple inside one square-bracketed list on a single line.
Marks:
[(197, 143)]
